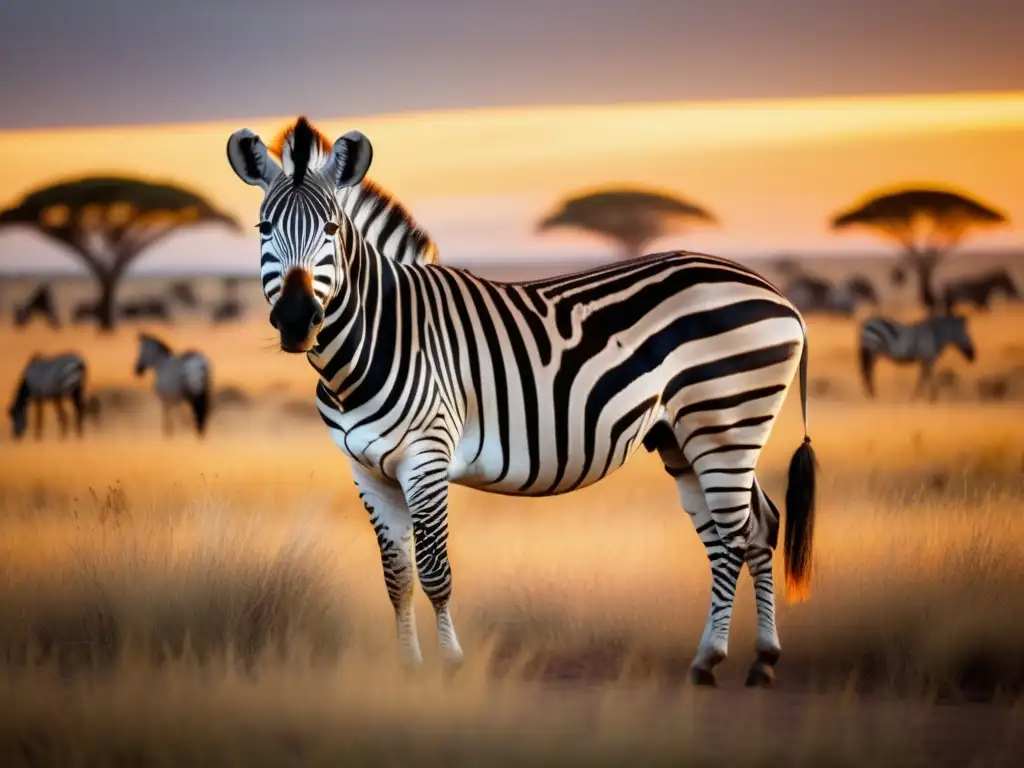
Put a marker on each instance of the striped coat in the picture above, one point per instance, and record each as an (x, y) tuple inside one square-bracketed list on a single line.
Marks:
[(50, 379), (430, 375), (180, 379), (918, 343)]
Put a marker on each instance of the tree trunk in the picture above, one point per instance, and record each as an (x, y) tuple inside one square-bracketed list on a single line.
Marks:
[(105, 308), (633, 250), (925, 264)]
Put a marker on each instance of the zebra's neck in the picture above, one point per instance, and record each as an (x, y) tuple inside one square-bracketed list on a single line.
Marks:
[(22, 396), (386, 225), (362, 322)]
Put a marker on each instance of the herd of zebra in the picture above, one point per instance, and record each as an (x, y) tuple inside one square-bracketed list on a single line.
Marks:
[(431, 375), (41, 304), (182, 379)]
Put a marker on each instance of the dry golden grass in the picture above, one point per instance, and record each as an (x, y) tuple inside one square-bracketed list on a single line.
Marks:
[(220, 601)]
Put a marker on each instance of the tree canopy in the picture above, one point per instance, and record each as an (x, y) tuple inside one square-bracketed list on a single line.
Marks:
[(927, 223), (921, 220), (631, 217)]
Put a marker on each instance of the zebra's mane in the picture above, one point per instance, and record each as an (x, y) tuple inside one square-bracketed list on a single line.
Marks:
[(301, 147), (370, 194), (155, 341)]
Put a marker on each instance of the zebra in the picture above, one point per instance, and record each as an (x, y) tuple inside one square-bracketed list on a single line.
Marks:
[(185, 377), (921, 342), (50, 378), (430, 375), (40, 302), (980, 290)]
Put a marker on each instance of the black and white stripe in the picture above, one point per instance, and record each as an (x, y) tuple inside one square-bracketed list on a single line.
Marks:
[(920, 343), (180, 378), (50, 379), (430, 375)]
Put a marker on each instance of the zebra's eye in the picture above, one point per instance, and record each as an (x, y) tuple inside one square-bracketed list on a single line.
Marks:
[(330, 229), (266, 227)]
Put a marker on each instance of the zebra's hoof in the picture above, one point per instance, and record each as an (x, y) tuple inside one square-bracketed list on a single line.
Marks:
[(704, 678), (760, 676)]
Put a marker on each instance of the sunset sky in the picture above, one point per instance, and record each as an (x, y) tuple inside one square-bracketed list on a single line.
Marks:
[(483, 114)]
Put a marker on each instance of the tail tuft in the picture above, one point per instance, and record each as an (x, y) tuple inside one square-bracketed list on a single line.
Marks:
[(799, 535), (201, 409), (867, 366)]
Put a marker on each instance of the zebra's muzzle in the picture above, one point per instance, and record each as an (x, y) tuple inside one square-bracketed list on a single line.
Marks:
[(297, 316)]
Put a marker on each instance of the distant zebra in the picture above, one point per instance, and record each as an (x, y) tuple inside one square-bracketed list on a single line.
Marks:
[(430, 375), (980, 290), (226, 311), (145, 308), (40, 302), (50, 378), (920, 342), (179, 378)]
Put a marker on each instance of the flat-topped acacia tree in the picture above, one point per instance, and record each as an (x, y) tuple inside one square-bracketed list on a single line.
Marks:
[(926, 223), (107, 222), (633, 218)]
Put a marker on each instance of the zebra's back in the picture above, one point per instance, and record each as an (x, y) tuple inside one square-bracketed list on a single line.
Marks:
[(183, 376), (56, 375)]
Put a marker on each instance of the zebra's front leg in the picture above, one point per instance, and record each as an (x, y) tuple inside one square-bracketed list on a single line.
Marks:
[(924, 381), (37, 406), (167, 418), (392, 524), (424, 481)]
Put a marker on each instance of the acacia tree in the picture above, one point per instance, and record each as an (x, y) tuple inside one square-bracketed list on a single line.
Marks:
[(108, 222), (633, 218), (926, 223)]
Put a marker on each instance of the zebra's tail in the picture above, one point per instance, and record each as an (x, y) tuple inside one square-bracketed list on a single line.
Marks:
[(201, 401), (867, 369), (201, 409), (800, 505)]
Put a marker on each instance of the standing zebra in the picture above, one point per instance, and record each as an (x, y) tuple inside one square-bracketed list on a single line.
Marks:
[(920, 342), (179, 378), (50, 378), (430, 375)]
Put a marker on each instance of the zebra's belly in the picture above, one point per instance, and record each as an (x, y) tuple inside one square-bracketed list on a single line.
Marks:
[(588, 452)]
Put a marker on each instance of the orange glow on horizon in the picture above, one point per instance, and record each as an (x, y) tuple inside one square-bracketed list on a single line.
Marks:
[(766, 169)]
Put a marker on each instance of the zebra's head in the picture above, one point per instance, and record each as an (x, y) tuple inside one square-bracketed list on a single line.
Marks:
[(19, 411), (151, 352), (954, 330), (303, 231)]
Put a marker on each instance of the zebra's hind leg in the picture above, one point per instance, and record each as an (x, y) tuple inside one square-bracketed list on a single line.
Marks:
[(725, 569), (424, 479), (78, 401), (392, 523), (759, 561)]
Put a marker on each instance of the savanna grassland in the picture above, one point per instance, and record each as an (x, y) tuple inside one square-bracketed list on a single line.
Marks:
[(220, 601)]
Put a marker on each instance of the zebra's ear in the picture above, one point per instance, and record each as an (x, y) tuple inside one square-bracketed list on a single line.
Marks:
[(250, 159), (353, 154)]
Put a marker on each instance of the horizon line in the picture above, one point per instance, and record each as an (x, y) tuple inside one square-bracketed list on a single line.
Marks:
[(943, 98)]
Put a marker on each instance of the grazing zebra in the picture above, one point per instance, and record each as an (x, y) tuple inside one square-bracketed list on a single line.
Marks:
[(920, 342), (979, 290), (50, 378), (430, 375), (179, 378)]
